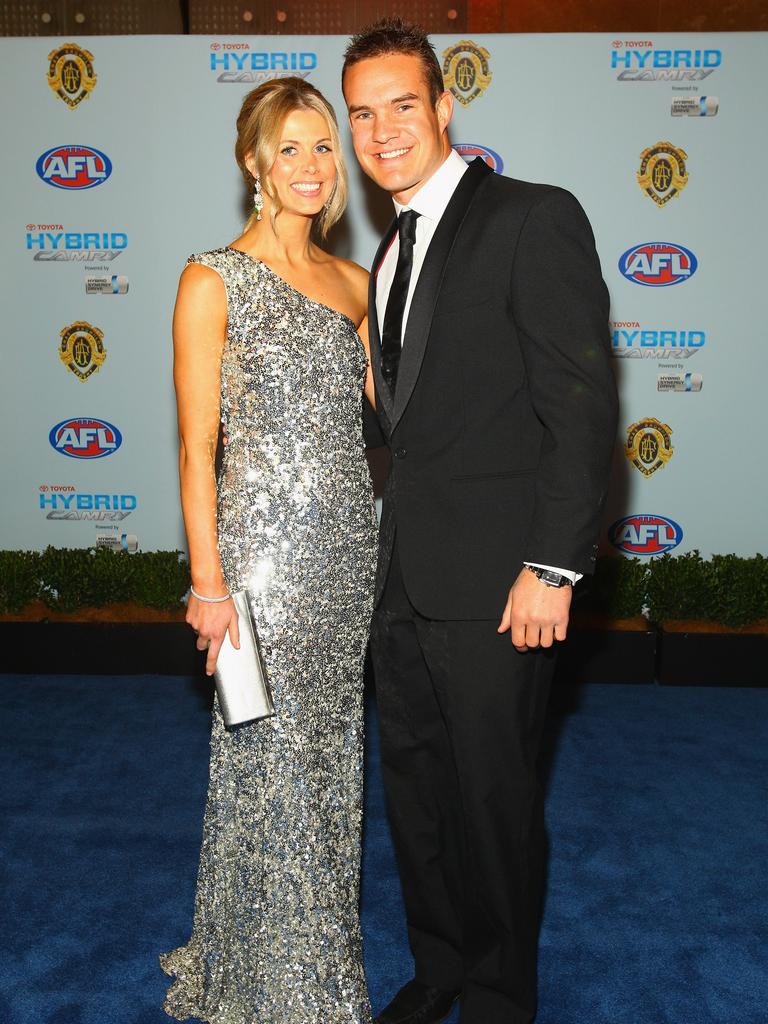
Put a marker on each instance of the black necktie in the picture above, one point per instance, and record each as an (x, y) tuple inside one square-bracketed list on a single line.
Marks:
[(391, 336)]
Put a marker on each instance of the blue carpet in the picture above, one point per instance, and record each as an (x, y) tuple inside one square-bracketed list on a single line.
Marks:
[(656, 805)]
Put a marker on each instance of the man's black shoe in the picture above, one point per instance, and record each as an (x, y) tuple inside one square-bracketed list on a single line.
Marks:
[(418, 1004)]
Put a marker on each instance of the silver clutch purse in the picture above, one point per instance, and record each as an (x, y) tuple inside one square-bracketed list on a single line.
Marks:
[(241, 681)]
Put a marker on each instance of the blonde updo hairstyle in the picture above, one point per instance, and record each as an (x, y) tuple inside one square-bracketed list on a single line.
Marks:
[(259, 126)]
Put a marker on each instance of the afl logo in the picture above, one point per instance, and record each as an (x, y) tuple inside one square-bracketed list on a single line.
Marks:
[(658, 264), (74, 167), (645, 534), (468, 150), (84, 437)]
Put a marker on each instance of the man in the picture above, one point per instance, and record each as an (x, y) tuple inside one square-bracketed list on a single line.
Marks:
[(488, 323)]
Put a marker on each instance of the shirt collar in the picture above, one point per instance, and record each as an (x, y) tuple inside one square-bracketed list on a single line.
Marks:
[(435, 194)]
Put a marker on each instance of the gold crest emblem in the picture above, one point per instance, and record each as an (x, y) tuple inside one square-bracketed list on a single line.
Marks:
[(649, 445), (662, 173), (71, 74), (82, 349), (466, 71)]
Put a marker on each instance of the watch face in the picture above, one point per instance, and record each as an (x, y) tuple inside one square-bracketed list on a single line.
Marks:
[(549, 576), (554, 579)]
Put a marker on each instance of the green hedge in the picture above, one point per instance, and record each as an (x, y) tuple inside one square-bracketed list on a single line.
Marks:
[(725, 588), (69, 578)]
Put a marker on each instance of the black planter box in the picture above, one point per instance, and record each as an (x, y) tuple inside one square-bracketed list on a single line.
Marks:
[(167, 648), (712, 659), (99, 648), (592, 655)]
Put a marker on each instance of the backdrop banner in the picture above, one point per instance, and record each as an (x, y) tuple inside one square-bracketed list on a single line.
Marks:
[(119, 164)]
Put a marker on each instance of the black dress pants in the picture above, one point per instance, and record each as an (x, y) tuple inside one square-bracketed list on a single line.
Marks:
[(461, 715)]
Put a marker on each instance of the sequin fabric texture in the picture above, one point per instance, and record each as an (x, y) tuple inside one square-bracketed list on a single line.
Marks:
[(276, 934)]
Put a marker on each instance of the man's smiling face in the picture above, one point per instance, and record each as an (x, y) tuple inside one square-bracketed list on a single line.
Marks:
[(399, 136)]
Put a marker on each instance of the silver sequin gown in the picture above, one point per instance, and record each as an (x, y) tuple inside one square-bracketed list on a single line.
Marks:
[(276, 934)]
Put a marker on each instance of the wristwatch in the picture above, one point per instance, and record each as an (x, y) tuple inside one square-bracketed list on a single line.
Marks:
[(549, 577)]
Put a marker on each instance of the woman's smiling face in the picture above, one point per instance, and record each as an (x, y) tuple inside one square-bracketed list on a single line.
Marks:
[(303, 175)]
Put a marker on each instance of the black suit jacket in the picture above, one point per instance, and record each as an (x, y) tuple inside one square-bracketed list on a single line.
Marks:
[(503, 422)]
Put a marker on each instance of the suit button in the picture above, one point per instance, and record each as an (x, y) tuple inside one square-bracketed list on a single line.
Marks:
[(400, 453)]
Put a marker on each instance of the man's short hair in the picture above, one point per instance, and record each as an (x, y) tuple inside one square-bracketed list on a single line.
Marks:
[(393, 35)]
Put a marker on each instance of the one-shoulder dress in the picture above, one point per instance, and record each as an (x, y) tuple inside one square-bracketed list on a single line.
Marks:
[(276, 934)]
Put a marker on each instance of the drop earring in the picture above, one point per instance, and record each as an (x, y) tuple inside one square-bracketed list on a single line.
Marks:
[(258, 199)]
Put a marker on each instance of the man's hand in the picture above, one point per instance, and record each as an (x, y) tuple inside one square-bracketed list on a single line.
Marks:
[(536, 614)]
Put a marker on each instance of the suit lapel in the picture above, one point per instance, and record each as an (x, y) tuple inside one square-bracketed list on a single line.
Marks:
[(383, 394), (428, 287)]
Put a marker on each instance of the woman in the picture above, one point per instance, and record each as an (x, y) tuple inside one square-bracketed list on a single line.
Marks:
[(266, 339)]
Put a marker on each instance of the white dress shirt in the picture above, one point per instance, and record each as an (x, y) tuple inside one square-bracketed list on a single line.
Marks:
[(430, 203)]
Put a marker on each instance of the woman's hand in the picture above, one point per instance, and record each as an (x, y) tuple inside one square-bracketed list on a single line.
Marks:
[(211, 622)]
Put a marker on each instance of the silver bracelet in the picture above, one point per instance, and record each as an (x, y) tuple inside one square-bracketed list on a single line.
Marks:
[(209, 600)]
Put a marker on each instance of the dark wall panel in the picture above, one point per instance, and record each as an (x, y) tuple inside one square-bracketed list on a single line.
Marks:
[(90, 17), (626, 16), (342, 17)]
